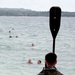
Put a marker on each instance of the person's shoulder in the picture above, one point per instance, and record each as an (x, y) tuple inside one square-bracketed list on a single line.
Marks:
[(41, 73), (59, 73), (50, 72)]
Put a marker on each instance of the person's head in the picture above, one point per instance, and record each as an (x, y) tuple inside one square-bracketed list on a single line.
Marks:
[(39, 62), (29, 61), (32, 44), (51, 59)]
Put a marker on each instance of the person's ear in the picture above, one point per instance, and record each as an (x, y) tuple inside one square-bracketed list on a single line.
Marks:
[(46, 63), (55, 62)]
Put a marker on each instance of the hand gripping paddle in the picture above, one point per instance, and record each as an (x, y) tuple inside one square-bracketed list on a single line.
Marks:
[(55, 17)]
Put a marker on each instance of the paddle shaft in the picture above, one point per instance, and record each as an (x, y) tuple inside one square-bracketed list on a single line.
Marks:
[(54, 45)]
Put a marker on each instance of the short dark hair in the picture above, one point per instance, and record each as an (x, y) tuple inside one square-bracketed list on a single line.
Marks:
[(51, 57)]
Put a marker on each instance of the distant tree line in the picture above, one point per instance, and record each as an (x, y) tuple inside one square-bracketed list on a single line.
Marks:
[(27, 12)]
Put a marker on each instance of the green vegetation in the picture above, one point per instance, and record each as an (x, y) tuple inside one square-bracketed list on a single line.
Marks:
[(27, 12)]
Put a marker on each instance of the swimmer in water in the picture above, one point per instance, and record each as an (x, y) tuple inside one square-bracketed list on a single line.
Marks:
[(29, 61), (16, 36), (39, 62), (10, 36), (9, 31), (32, 45)]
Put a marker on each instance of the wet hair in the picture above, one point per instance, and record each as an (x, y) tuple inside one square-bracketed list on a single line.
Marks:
[(39, 61), (51, 58)]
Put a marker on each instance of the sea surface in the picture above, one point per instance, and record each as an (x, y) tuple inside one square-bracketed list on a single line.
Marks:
[(17, 34)]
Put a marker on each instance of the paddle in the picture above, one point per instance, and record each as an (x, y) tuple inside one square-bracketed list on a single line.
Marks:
[(54, 22), (55, 17)]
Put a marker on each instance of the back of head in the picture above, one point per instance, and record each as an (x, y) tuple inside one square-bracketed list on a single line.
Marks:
[(51, 58)]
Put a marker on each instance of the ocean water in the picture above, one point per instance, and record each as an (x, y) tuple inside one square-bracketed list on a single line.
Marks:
[(17, 35)]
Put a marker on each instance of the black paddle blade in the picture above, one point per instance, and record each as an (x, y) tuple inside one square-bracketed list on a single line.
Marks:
[(55, 16)]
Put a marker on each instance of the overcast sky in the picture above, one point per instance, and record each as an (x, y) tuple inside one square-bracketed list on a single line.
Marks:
[(39, 5)]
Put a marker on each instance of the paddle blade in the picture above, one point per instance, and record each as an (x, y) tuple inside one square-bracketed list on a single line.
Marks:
[(55, 17)]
